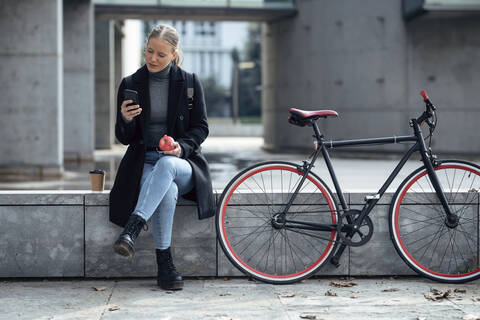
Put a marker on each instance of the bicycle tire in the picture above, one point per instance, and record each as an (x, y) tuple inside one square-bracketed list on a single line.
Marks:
[(420, 234), (249, 205)]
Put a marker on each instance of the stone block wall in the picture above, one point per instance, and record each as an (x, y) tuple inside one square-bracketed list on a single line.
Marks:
[(68, 234)]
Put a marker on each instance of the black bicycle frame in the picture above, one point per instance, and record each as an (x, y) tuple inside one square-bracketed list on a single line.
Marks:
[(419, 145)]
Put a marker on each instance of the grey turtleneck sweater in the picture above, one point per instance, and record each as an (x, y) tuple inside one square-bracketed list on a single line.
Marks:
[(158, 86)]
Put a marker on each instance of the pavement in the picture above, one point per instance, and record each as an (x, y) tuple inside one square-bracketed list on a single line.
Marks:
[(240, 298)]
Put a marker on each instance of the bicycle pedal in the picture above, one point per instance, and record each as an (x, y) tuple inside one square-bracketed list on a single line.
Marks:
[(335, 261)]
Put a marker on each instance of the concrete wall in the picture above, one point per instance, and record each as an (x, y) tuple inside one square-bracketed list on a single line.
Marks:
[(78, 39), (67, 234), (361, 59), (31, 73)]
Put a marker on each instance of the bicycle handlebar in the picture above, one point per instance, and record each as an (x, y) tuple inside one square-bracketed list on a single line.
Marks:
[(428, 113)]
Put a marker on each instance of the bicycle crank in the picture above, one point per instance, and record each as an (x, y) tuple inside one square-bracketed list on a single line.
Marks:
[(354, 234)]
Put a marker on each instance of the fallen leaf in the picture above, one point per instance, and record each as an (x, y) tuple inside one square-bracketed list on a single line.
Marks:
[(99, 288), (473, 190), (308, 316), (353, 297), (224, 294), (330, 294), (421, 318), (287, 295), (342, 284), (226, 278), (169, 292), (114, 308), (476, 299), (460, 290), (471, 317), (391, 290), (438, 295)]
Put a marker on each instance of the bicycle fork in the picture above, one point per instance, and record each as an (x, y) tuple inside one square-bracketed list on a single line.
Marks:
[(451, 219)]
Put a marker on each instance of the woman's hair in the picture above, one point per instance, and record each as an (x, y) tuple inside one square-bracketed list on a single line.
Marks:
[(170, 36)]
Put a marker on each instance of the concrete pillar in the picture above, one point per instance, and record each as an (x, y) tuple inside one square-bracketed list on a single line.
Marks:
[(104, 84), (79, 71), (119, 36), (31, 74)]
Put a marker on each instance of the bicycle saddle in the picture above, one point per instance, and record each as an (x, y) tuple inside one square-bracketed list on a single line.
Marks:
[(300, 117)]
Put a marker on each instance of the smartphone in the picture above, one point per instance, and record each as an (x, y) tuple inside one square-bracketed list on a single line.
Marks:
[(131, 95)]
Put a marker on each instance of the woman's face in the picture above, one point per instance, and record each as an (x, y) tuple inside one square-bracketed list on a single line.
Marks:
[(158, 54)]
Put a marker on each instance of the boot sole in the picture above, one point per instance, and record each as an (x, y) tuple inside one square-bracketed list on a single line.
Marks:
[(123, 249), (171, 285)]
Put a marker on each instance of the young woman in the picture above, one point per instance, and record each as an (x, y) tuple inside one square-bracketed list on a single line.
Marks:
[(149, 181)]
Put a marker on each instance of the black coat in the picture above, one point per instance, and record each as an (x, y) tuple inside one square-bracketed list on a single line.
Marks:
[(188, 127)]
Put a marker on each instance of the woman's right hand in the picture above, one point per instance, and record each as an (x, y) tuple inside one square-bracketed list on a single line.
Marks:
[(130, 112)]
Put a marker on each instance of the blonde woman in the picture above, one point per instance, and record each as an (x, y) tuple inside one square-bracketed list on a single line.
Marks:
[(149, 181)]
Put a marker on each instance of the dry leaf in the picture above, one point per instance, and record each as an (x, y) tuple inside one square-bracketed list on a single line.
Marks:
[(329, 293), (391, 290), (438, 295), (99, 288), (353, 297), (287, 295), (226, 278), (421, 318), (114, 308), (476, 299), (224, 294), (473, 190), (308, 316), (460, 290), (342, 284)]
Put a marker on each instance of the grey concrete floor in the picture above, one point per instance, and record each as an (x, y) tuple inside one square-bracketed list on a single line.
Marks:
[(227, 156), (239, 298)]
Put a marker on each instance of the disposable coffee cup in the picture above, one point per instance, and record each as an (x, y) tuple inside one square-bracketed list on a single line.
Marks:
[(97, 180)]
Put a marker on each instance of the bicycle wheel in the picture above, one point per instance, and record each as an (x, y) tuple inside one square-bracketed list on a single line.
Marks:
[(418, 228), (250, 234)]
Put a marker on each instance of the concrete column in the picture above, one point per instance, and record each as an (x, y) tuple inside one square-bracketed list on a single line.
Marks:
[(104, 84), (31, 73), (79, 79)]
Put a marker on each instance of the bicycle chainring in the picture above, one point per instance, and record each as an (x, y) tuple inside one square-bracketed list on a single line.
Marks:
[(353, 234)]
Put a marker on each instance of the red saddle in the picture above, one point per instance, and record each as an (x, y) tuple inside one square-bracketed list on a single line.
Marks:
[(300, 117)]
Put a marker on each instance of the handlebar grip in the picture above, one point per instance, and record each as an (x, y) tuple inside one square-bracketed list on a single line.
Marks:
[(424, 95)]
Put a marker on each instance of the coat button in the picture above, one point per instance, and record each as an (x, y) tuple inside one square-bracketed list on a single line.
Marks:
[(181, 117)]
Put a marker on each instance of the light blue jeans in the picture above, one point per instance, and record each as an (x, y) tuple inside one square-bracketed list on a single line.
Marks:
[(164, 178)]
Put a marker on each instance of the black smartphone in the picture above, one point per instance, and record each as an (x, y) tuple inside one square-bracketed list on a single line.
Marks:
[(131, 95)]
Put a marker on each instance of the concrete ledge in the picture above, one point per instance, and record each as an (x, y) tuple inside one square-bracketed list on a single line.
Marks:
[(67, 234)]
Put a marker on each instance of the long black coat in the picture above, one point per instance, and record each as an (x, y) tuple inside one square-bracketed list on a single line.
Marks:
[(189, 128)]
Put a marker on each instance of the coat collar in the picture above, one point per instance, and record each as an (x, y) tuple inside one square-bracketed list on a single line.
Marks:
[(175, 88)]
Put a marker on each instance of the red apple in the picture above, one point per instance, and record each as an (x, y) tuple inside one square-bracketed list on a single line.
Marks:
[(166, 143)]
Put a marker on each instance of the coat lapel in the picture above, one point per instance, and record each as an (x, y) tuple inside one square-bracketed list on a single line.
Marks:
[(140, 79), (175, 88)]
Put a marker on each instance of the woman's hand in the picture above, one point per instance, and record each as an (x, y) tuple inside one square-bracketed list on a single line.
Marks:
[(130, 112), (177, 152)]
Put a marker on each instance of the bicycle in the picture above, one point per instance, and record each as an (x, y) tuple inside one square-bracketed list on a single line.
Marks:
[(278, 222)]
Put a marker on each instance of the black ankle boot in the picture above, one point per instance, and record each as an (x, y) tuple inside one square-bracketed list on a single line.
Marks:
[(126, 241), (168, 278)]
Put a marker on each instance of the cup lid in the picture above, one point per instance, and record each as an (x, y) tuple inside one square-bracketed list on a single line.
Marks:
[(97, 171)]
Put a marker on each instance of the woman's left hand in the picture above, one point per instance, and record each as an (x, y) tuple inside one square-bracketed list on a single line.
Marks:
[(177, 152)]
